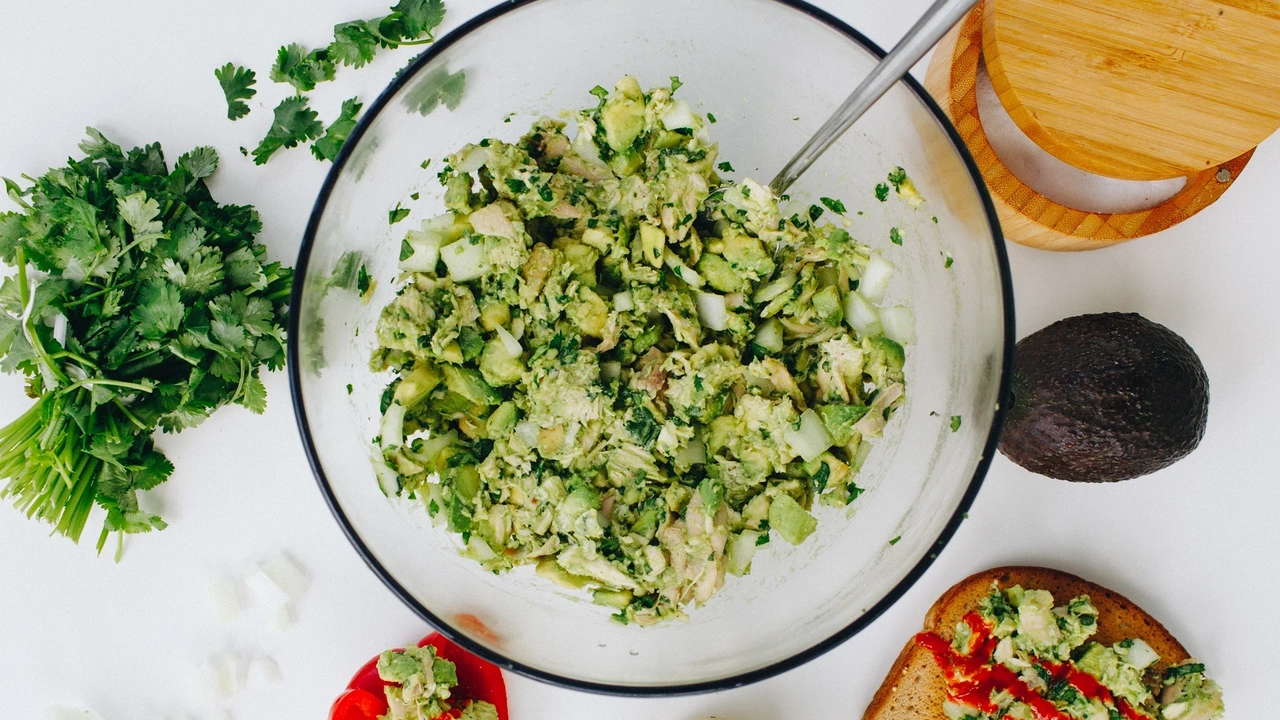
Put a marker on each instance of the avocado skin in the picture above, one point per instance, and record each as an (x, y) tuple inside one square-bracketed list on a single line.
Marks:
[(1102, 398)]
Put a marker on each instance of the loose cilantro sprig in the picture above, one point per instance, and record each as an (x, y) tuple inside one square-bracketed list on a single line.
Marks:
[(237, 85), (294, 123), (327, 147), (151, 308), (302, 69)]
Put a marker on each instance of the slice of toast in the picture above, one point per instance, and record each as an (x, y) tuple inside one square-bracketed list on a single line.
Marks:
[(915, 688)]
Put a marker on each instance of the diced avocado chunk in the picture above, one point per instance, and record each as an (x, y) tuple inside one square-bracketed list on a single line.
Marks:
[(498, 366), (415, 386), (494, 315), (840, 419), (618, 599), (652, 243), (469, 384), (719, 274), (746, 253), (826, 303), (502, 421), (470, 343), (791, 521), (551, 570), (626, 163), (894, 355), (583, 259), (623, 114)]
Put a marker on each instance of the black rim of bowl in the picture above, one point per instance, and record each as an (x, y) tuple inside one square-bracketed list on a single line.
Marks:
[(295, 388)]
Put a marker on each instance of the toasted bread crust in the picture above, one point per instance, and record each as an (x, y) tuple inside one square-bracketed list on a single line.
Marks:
[(915, 688)]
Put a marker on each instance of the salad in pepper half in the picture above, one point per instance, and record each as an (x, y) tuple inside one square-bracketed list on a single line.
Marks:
[(612, 363)]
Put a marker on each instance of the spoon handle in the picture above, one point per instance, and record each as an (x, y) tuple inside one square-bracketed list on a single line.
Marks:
[(926, 33)]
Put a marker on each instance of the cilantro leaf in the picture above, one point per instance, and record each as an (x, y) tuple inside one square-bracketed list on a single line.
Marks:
[(955, 423), (200, 162), (302, 69), (895, 236), (237, 86), (254, 395), (725, 167), (417, 18), (882, 192), (160, 309), (833, 205), (294, 123), (439, 87), (354, 43), (397, 214), (327, 147)]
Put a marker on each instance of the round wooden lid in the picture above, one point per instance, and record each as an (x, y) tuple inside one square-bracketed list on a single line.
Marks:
[(1137, 89)]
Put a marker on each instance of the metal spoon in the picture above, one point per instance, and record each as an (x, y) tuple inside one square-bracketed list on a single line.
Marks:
[(926, 33)]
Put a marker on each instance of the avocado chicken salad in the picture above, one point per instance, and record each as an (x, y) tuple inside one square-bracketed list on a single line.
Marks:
[(1022, 658), (614, 364)]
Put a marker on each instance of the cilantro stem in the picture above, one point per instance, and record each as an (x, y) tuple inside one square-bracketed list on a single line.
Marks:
[(90, 382), (25, 295), (130, 416), (68, 354)]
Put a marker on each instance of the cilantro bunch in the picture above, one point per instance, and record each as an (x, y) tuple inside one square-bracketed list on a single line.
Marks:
[(139, 303)]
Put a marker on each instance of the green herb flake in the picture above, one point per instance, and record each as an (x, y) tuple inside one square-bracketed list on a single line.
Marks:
[(350, 388), (833, 205), (895, 236), (948, 262), (675, 84), (725, 167), (895, 540), (711, 118), (882, 192), (955, 423), (396, 214)]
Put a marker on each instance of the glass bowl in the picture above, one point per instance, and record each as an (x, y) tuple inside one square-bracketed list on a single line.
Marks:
[(771, 72)]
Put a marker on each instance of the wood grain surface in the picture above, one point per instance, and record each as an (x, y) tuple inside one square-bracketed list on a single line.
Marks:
[(1137, 89), (1026, 216)]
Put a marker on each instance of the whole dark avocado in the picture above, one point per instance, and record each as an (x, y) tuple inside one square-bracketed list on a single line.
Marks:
[(1101, 398)]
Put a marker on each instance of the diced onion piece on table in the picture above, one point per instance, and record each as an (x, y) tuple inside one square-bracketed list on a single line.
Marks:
[(875, 279), (861, 315), (812, 439), (899, 324), (263, 672), (712, 312), (264, 591), (225, 598), (286, 574)]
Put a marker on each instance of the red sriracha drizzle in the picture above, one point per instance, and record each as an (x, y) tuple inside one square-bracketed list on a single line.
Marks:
[(973, 678), (479, 680)]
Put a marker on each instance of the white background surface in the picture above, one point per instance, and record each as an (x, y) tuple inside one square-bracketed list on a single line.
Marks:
[(1196, 544)]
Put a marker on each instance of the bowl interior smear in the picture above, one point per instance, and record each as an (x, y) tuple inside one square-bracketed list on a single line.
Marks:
[(526, 365)]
